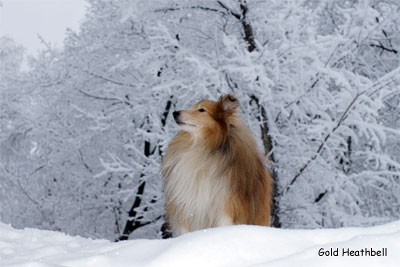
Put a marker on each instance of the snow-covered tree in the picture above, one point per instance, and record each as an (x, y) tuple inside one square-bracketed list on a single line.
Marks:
[(318, 84)]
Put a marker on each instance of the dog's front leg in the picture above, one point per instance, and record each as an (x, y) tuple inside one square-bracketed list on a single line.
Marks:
[(180, 230), (224, 220)]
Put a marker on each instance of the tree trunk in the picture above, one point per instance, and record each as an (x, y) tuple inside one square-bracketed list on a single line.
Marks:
[(263, 118), (133, 223)]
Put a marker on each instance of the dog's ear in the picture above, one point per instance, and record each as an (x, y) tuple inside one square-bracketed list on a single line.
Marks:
[(229, 103)]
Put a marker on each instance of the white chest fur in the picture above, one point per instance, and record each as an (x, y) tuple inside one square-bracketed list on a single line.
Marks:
[(196, 188)]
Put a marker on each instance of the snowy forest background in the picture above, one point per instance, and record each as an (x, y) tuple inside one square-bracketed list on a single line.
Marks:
[(83, 131)]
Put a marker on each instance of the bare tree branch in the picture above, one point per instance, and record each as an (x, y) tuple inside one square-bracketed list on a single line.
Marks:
[(202, 8), (106, 98), (381, 46), (321, 146), (236, 15)]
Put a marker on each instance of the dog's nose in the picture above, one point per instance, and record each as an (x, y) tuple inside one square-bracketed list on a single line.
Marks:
[(176, 114)]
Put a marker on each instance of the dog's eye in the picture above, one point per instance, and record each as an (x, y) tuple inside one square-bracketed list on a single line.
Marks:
[(202, 110)]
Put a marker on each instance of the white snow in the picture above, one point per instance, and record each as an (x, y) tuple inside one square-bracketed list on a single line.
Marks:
[(227, 246)]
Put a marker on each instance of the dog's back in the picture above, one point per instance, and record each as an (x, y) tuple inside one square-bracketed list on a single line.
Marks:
[(213, 174)]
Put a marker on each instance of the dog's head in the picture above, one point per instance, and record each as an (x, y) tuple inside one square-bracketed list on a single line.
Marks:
[(207, 116)]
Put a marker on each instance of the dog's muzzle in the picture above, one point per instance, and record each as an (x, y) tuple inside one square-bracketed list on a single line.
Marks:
[(176, 117)]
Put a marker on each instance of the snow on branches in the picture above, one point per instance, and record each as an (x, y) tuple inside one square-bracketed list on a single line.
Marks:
[(318, 83)]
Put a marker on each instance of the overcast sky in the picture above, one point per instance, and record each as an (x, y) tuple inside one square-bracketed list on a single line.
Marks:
[(22, 20)]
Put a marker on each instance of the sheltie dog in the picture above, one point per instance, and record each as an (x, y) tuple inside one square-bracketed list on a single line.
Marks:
[(213, 173)]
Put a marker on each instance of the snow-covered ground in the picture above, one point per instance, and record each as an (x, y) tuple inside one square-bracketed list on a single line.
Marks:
[(228, 246)]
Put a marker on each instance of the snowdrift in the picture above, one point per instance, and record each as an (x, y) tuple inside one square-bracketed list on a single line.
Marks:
[(228, 246)]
